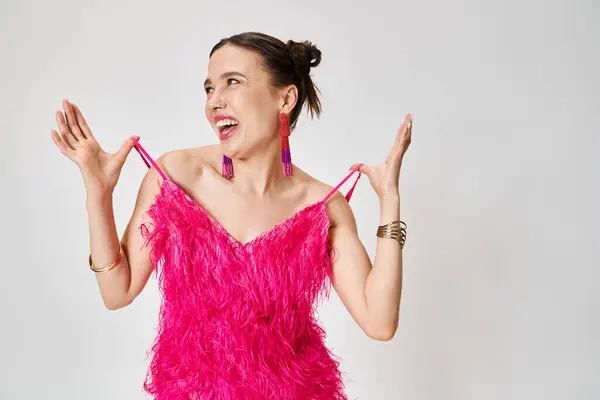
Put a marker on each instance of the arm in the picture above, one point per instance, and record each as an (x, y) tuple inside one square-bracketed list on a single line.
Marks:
[(100, 171), (372, 292), (120, 286)]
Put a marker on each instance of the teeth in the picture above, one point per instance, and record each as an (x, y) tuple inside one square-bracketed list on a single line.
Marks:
[(226, 122)]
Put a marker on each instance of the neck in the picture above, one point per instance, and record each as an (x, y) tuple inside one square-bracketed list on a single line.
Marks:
[(260, 173)]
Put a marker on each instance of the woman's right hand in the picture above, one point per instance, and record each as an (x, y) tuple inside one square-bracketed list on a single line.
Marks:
[(100, 170)]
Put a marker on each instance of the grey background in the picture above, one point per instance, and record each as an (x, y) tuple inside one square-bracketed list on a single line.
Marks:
[(499, 187)]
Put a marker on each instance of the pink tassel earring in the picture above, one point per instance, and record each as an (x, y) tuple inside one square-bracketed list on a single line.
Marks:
[(286, 155), (227, 168)]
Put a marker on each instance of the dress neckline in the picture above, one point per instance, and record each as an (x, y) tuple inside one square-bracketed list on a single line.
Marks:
[(320, 205)]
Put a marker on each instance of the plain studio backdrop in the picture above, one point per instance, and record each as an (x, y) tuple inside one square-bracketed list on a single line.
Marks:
[(499, 187)]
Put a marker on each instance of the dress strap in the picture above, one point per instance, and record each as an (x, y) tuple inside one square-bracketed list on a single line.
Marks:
[(146, 157), (349, 194)]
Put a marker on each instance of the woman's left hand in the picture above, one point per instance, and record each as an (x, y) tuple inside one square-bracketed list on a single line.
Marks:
[(385, 177)]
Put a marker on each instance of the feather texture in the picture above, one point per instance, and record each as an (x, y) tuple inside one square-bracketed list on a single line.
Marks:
[(238, 320)]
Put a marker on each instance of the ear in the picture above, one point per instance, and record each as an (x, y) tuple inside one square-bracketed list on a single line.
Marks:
[(289, 98)]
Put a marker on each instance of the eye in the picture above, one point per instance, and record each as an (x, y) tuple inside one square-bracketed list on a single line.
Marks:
[(230, 81)]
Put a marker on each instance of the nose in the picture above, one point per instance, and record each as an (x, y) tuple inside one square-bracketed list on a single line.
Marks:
[(216, 101)]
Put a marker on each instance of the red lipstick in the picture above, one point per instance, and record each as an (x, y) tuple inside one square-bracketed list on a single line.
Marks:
[(225, 131)]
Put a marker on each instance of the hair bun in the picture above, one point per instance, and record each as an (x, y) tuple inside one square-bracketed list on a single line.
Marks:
[(305, 55)]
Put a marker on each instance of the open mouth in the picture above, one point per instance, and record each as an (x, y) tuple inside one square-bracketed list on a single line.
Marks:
[(226, 127)]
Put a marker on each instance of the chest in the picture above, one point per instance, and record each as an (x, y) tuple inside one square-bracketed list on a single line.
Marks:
[(247, 218), (289, 260), (289, 263)]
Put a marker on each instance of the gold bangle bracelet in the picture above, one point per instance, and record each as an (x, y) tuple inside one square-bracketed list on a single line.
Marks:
[(394, 230), (109, 266)]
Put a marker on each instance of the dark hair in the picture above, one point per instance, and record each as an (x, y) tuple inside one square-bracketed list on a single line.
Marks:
[(288, 63)]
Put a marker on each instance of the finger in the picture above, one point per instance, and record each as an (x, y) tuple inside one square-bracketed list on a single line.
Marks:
[(405, 127), (395, 156), (408, 133), (64, 149), (72, 121), (404, 131), (65, 133), (82, 122), (125, 149), (364, 169)]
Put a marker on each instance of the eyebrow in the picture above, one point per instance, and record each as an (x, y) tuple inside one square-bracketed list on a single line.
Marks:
[(225, 75)]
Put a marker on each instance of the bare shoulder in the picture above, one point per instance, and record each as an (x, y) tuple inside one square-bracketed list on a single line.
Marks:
[(184, 165), (338, 209)]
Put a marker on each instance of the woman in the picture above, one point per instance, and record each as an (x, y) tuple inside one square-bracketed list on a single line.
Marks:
[(244, 243)]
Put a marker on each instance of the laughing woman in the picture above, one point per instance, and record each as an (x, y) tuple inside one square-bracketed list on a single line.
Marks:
[(244, 243)]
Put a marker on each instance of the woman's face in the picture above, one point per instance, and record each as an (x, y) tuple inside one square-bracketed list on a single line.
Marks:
[(241, 105)]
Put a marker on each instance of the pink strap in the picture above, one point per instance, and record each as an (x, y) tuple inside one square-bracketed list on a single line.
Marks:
[(349, 194), (146, 157)]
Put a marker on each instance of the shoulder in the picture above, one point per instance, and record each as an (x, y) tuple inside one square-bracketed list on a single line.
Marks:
[(183, 165), (338, 209)]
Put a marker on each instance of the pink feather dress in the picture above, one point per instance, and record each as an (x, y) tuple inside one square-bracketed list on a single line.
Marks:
[(237, 320)]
